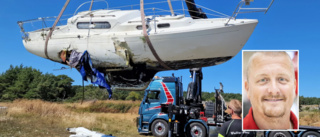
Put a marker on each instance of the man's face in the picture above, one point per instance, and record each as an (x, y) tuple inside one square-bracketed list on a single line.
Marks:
[(270, 86), (229, 110)]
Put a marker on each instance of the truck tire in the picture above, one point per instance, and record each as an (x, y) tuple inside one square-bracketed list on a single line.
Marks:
[(159, 128), (279, 134), (196, 130), (311, 134)]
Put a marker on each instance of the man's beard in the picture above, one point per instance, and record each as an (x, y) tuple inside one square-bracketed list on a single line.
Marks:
[(274, 111)]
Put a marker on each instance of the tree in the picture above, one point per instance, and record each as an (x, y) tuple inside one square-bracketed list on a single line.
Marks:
[(91, 92), (133, 95), (309, 100), (120, 94), (63, 87), (17, 81), (26, 82)]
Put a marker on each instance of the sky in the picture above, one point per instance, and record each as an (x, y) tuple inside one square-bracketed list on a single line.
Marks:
[(288, 25)]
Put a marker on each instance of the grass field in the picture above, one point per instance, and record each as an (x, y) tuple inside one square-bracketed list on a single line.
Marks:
[(36, 118), (310, 118)]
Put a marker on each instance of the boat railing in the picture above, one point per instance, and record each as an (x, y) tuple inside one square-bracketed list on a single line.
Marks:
[(39, 24), (181, 10), (240, 10), (91, 2), (152, 8)]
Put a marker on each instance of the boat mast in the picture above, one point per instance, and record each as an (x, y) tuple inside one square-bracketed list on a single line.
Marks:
[(195, 13)]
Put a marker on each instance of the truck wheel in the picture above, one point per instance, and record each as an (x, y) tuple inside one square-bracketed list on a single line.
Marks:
[(279, 134), (196, 130), (159, 128), (311, 134)]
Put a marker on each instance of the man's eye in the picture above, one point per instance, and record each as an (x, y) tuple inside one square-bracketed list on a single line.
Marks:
[(282, 80), (263, 80)]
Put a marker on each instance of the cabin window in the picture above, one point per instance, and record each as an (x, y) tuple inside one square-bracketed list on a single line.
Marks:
[(154, 96), (139, 27), (165, 25), (93, 25)]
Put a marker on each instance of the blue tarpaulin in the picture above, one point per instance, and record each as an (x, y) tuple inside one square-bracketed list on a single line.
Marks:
[(91, 73)]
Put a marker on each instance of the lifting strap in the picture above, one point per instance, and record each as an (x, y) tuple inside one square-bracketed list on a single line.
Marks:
[(147, 38), (91, 5), (53, 27), (170, 6)]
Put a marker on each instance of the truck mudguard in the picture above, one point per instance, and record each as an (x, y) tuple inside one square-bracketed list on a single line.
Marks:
[(159, 116)]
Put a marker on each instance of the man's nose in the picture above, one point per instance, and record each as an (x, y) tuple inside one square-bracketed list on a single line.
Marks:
[(273, 88)]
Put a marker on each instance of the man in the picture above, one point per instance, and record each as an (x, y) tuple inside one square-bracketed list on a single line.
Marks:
[(270, 85), (233, 128)]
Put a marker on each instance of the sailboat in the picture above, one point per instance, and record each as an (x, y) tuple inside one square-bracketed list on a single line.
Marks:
[(130, 47)]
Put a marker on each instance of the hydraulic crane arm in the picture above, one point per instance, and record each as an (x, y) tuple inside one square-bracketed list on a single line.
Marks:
[(194, 87)]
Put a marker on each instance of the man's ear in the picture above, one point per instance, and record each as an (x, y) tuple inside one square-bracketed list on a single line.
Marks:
[(246, 86)]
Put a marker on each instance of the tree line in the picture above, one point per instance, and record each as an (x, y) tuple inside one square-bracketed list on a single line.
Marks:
[(210, 96), (309, 100), (25, 82)]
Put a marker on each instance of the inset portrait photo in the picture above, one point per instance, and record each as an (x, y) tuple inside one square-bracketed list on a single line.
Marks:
[(270, 89)]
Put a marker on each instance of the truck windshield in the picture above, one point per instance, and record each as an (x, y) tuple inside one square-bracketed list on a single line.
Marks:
[(154, 96)]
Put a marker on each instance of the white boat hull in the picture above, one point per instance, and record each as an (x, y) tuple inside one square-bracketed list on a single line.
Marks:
[(197, 48)]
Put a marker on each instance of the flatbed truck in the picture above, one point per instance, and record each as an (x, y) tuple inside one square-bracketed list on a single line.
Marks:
[(165, 112)]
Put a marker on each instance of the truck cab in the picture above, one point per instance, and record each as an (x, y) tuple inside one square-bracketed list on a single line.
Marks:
[(166, 90)]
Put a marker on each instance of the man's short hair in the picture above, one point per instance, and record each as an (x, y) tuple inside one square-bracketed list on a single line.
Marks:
[(236, 106), (269, 54)]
